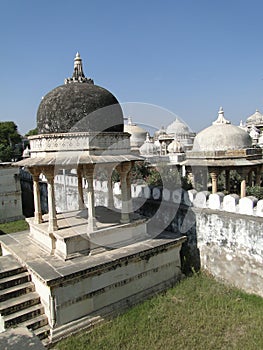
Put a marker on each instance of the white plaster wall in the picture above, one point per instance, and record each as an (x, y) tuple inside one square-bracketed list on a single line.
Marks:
[(77, 298), (10, 194), (231, 248)]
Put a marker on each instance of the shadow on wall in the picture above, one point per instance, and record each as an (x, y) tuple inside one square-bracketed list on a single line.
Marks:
[(177, 218), (26, 182)]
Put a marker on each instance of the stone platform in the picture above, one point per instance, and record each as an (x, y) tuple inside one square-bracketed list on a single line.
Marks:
[(73, 239), (78, 291)]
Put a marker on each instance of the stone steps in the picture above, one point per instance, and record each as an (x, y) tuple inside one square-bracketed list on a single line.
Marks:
[(20, 305), (18, 317), (9, 267), (16, 291), (35, 323), (14, 280)]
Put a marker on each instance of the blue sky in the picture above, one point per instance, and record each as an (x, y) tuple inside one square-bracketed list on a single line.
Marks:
[(187, 56)]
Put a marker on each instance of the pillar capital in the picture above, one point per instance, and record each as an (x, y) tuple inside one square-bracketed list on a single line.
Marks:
[(88, 170), (243, 172), (34, 171), (124, 168), (49, 172)]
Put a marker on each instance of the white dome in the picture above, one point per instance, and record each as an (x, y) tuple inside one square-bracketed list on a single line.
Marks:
[(221, 136), (177, 128), (138, 134), (256, 118), (148, 148), (159, 132), (175, 147)]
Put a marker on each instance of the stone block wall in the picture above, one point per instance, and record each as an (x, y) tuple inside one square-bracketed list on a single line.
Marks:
[(10, 193)]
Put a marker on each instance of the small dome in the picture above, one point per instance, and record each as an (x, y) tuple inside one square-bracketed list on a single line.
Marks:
[(175, 147), (138, 134), (177, 128), (256, 118), (221, 136), (26, 152), (79, 105), (148, 148), (159, 132)]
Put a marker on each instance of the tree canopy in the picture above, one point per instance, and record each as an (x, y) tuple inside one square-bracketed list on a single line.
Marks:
[(10, 142), (32, 132)]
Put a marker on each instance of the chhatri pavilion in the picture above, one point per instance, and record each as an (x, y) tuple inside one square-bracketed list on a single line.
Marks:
[(80, 127), (223, 147), (93, 262)]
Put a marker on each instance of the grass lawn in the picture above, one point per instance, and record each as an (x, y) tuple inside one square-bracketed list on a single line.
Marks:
[(198, 313), (14, 226)]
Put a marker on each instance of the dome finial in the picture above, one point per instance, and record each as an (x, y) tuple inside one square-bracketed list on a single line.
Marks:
[(78, 69), (221, 119), (147, 137), (78, 74)]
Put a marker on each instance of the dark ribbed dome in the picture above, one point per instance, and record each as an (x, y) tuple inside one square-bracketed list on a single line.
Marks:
[(79, 106)]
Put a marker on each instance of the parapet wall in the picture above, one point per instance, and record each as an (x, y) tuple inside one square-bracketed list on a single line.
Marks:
[(230, 203), (224, 231)]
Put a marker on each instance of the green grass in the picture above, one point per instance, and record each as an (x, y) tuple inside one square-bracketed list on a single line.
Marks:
[(198, 313), (14, 226)]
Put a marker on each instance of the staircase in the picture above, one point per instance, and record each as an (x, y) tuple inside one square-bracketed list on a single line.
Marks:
[(19, 303)]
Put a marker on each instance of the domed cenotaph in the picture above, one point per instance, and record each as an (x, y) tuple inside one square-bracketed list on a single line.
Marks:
[(223, 147), (91, 262)]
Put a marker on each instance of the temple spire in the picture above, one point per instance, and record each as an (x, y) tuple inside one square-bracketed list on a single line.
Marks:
[(78, 74)]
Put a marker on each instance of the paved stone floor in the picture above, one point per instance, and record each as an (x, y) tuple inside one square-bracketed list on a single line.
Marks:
[(49, 267), (19, 338)]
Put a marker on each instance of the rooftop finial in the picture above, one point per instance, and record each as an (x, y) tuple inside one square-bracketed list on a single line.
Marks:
[(78, 74), (221, 119), (78, 70)]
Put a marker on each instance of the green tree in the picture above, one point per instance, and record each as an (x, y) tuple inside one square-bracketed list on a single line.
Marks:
[(32, 132), (10, 142)]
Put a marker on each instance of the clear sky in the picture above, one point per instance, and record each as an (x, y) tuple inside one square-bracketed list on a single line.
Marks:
[(187, 56)]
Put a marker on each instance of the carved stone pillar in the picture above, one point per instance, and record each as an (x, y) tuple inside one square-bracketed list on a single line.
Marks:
[(214, 175), (243, 173), (110, 188), (128, 180), (123, 169), (81, 204), (35, 172), (204, 178), (243, 188), (250, 178), (52, 217), (88, 170)]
